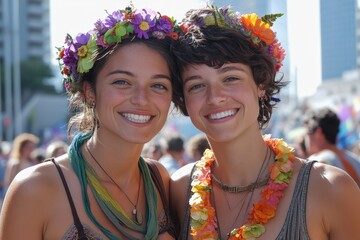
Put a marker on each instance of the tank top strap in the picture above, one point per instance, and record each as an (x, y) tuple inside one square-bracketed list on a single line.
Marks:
[(184, 233), (295, 223), (77, 223), (156, 177)]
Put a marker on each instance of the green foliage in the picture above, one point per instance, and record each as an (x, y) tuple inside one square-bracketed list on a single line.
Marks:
[(34, 74), (271, 18)]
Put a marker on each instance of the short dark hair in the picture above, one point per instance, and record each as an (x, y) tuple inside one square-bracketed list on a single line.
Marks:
[(216, 46), (174, 143), (327, 120)]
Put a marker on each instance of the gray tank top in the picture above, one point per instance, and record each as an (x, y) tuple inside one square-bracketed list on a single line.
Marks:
[(294, 227)]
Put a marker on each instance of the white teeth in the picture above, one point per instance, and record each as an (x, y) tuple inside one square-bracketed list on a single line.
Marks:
[(136, 118), (221, 115)]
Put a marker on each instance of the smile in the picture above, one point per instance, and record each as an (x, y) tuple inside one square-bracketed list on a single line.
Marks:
[(136, 118), (221, 115)]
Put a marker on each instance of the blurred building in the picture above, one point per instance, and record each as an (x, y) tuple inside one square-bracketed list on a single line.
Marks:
[(24, 35), (34, 28), (340, 37)]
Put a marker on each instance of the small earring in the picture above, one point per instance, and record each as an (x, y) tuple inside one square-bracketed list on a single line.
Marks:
[(262, 107)]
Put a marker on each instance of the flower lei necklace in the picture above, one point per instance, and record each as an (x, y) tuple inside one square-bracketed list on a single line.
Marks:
[(203, 221)]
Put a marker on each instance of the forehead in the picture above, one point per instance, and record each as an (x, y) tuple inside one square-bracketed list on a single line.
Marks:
[(137, 57)]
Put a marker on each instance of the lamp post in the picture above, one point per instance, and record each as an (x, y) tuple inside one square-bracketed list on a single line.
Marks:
[(7, 69), (17, 77)]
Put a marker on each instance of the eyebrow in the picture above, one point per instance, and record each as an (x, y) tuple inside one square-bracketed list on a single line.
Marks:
[(230, 68), (220, 70), (156, 76), (194, 77)]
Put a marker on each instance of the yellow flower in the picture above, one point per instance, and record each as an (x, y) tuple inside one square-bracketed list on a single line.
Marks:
[(144, 26), (85, 52)]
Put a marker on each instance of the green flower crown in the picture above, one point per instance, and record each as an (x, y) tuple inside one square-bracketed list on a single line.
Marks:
[(77, 56), (258, 29)]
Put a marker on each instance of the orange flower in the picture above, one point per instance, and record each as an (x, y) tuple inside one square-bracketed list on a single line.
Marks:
[(173, 35), (263, 212), (274, 171), (259, 28), (65, 71), (61, 53)]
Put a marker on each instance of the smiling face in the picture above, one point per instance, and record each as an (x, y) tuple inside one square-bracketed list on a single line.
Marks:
[(223, 102), (133, 93)]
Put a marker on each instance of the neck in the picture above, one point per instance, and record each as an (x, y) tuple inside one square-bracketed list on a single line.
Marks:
[(119, 160), (239, 162)]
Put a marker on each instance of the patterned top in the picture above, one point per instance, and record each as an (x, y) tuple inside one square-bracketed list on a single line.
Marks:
[(90, 234)]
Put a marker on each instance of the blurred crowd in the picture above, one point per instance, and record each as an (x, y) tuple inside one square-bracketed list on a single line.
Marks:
[(24, 151)]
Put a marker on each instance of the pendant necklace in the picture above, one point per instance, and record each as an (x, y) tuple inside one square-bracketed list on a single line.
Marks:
[(137, 216)]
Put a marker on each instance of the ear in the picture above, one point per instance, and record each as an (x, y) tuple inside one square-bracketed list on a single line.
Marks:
[(89, 94)]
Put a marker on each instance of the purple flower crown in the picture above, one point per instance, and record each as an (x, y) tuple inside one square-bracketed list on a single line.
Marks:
[(78, 55)]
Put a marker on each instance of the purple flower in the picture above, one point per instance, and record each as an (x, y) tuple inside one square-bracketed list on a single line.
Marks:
[(144, 21), (70, 59), (100, 42), (164, 25), (81, 39), (100, 27), (112, 19)]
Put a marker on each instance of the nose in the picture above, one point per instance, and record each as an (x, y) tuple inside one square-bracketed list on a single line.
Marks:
[(140, 96), (215, 95)]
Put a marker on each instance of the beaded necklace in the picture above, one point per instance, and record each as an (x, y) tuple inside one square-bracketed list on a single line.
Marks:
[(87, 177), (203, 222)]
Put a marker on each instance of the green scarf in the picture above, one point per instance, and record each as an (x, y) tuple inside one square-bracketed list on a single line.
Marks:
[(108, 205)]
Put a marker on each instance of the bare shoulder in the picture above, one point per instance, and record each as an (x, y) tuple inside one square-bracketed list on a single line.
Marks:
[(333, 199), (179, 186), (29, 201), (34, 179), (332, 180), (183, 173)]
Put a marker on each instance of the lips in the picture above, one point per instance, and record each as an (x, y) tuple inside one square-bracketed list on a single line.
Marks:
[(136, 118), (222, 115)]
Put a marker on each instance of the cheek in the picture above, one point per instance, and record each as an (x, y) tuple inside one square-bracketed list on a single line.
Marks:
[(191, 104), (163, 101)]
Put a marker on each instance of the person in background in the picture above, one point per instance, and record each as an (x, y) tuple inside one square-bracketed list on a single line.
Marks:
[(152, 150), (56, 149), (301, 149), (173, 157), (249, 185), (38, 155), (119, 80), (321, 141), (196, 146), (20, 156)]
